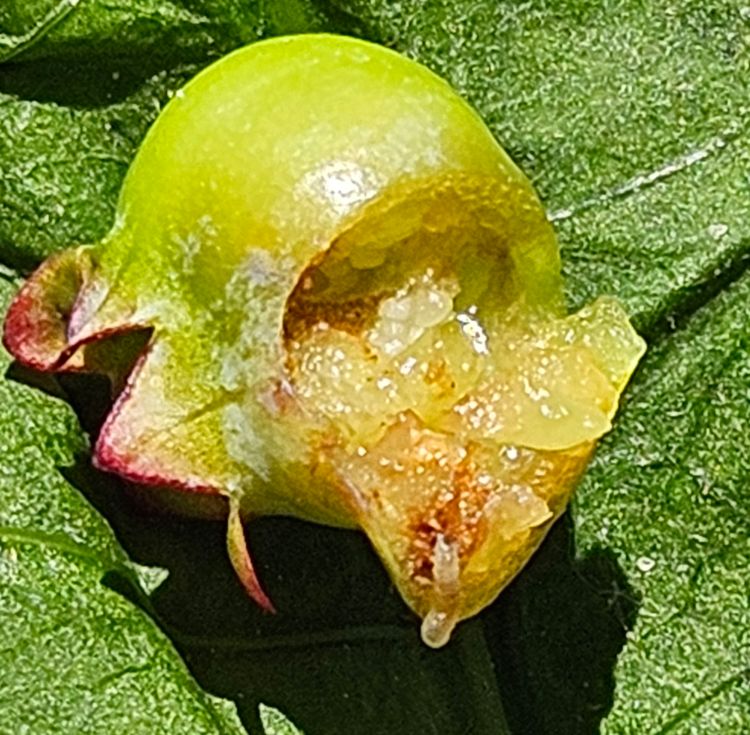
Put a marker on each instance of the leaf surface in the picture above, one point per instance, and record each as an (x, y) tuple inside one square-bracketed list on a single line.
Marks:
[(669, 498), (631, 120)]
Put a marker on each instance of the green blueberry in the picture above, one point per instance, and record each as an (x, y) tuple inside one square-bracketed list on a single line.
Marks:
[(354, 313)]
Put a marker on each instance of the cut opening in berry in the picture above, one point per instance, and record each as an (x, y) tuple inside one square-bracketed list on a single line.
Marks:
[(396, 315), (459, 406)]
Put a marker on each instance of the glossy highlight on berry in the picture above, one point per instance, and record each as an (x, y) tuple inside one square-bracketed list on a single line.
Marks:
[(353, 314)]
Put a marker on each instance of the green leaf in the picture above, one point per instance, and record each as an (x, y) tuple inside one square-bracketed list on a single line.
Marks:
[(274, 723), (64, 159), (668, 498), (75, 656), (66, 29), (631, 119)]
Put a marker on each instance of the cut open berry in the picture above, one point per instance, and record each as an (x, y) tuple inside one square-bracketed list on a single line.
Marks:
[(354, 315)]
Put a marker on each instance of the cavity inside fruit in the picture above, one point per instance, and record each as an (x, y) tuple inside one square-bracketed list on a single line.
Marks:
[(458, 415)]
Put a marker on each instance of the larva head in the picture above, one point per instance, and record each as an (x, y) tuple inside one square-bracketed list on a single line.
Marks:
[(356, 318)]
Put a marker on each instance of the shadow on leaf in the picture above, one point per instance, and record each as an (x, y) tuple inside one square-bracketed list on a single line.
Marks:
[(555, 635), (77, 84), (343, 655)]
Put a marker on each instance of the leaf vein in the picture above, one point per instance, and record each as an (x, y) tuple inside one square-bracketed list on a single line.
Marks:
[(648, 179), (60, 543), (717, 691), (14, 45)]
